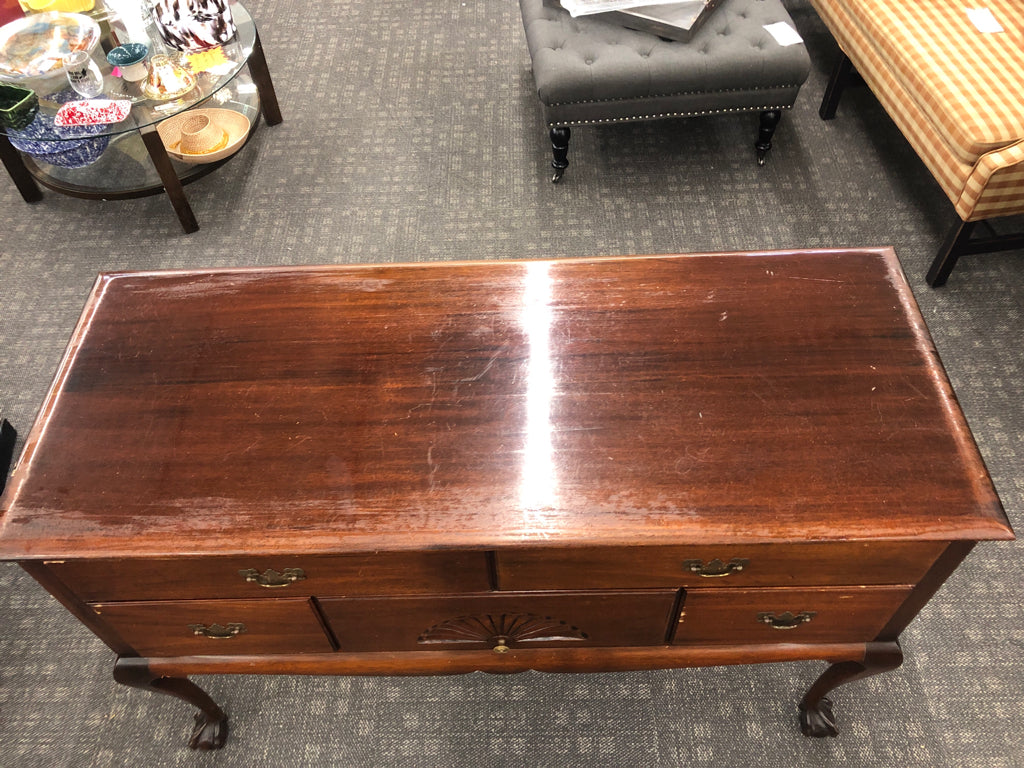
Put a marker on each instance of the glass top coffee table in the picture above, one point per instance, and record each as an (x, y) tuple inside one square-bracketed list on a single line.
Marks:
[(132, 159)]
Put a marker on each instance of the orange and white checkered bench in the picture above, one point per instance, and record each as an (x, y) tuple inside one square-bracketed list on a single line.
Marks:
[(955, 92)]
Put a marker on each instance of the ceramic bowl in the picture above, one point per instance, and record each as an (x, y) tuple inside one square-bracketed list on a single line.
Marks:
[(18, 106), (32, 48), (79, 147), (130, 58)]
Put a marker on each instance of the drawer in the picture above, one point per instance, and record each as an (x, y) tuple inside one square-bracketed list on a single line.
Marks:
[(275, 576), (217, 627), (516, 620), (759, 565), (756, 616)]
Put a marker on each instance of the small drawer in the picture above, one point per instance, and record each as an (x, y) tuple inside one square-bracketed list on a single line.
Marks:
[(502, 622), (217, 627), (726, 565), (274, 576), (756, 616)]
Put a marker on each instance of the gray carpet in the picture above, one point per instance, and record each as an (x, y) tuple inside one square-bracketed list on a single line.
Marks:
[(412, 133)]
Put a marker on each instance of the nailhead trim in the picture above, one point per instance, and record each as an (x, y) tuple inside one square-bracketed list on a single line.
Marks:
[(674, 95), (726, 110)]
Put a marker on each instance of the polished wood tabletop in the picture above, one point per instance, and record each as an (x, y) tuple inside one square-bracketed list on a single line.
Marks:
[(758, 397)]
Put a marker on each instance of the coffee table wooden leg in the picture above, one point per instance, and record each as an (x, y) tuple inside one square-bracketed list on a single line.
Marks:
[(15, 166), (211, 730), (264, 85), (171, 182), (816, 718)]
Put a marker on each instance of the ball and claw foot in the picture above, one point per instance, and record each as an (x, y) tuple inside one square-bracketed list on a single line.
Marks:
[(557, 175), (818, 721), (209, 733)]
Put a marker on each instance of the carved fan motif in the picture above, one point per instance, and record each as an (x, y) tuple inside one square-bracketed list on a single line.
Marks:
[(501, 628)]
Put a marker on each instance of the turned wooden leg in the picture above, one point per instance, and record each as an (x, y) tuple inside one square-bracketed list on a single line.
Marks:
[(816, 718), (560, 148), (769, 122), (211, 730)]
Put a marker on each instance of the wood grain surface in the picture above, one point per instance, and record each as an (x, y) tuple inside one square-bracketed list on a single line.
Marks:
[(752, 397)]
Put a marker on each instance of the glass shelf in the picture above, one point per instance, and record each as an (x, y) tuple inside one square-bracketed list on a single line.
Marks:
[(134, 161), (125, 169)]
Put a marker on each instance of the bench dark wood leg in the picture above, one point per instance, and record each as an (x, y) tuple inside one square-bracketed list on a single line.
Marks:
[(841, 74), (960, 242), (560, 148), (769, 122), (211, 730), (816, 718), (949, 253)]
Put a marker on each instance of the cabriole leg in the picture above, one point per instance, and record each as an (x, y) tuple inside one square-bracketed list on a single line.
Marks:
[(560, 148), (211, 729), (769, 122), (816, 718)]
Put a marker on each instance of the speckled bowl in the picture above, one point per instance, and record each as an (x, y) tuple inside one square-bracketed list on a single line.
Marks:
[(80, 147)]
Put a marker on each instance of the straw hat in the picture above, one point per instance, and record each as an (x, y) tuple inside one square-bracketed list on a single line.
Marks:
[(204, 135)]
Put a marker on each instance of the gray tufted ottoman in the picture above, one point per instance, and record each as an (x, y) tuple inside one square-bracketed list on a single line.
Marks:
[(591, 71)]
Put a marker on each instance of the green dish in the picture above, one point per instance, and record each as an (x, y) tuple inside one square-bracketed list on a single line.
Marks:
[(18, 106)]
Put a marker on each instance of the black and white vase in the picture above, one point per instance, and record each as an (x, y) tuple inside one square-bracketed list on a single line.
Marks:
[(193, 25)]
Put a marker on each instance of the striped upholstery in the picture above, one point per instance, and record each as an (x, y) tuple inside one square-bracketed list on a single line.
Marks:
[(967, 82), (996, 188), (954, 92)]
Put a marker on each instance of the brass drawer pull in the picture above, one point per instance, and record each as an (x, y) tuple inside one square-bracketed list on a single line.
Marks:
[(715, 568), (216, 631), (272, 579), (786, 620)]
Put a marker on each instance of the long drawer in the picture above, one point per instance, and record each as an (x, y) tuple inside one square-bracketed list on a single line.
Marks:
[(502, 621), (753, 565), (275, 576), (217, 627), (756, 616)]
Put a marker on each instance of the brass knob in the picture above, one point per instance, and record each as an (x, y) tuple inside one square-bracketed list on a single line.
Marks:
[(500, 645)]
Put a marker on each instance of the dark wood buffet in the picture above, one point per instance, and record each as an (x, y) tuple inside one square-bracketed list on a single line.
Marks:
[(558, 465)]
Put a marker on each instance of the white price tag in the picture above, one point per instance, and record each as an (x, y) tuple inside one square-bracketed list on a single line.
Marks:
[(984, 20), (783, 33)]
